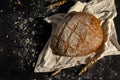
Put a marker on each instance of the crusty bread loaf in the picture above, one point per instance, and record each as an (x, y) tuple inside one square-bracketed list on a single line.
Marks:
[(77, 34)]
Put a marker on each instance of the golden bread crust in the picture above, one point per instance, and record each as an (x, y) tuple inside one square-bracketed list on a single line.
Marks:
[(77, 34)]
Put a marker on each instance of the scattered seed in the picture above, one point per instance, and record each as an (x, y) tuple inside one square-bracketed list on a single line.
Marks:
[(14, 41), (33, 65), (1, 11), (7, 36), (16, 22), (19, 2)]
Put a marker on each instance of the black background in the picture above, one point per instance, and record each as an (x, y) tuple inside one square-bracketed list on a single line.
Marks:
[(23, 34)]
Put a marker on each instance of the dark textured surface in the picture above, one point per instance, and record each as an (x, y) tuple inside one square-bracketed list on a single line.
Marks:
[(23, 33)]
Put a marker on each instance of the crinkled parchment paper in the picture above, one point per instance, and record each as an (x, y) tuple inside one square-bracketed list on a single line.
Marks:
[(105, 11)]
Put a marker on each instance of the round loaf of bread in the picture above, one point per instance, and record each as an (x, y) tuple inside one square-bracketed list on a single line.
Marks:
[(77, 34)]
